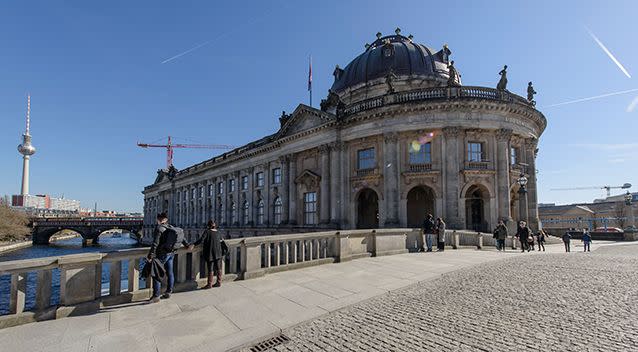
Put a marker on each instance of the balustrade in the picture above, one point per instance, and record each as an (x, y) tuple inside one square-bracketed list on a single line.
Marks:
[(81, 281)]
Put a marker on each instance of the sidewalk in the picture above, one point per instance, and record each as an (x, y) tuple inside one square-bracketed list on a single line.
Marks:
[(242, 312)]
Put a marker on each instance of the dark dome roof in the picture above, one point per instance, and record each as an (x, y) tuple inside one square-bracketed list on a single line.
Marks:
[(396, 53)]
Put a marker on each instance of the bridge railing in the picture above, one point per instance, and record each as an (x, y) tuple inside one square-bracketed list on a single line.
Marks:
[(81, 283)]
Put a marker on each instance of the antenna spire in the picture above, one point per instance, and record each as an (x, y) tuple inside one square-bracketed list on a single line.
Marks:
[(28, 113)]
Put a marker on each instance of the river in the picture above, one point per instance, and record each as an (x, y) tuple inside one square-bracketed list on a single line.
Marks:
[(108, 243)]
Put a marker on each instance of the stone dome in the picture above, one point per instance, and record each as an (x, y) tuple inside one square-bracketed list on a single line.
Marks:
[(394, 53)]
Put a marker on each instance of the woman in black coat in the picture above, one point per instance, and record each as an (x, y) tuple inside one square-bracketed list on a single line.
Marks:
[(212, 253)]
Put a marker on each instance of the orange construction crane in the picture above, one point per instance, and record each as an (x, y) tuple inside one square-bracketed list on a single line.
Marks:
[(170, 146)]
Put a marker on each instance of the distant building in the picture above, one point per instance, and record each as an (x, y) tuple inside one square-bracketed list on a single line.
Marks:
[(559, 218), (44, 201)]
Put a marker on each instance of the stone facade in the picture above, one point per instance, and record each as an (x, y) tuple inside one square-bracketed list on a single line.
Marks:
[(370, 157)]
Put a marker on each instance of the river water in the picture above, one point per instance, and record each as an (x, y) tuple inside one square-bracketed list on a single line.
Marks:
[(108, 243)]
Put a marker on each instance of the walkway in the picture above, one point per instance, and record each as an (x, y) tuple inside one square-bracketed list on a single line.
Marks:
[(243, 311)]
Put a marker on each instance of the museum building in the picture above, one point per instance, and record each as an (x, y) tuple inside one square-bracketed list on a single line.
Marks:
[(398, 136)]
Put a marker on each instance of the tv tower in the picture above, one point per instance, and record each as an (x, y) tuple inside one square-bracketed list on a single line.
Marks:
[(26, 149)]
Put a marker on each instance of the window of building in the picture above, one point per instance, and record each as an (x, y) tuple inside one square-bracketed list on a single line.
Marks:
[(201, 192), (310, 208), (513, 155), (193, 193), (233, 213), (276, 176), (260, 212), (231, 185), (220, 188), (475, 151), (245, 213), (365, 159), (277, 210), (260, 179), (211, 188), (244, 183), (420, 155), (179, 195)]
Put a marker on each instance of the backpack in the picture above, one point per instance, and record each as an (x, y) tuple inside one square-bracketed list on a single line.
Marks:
[(171, 239)]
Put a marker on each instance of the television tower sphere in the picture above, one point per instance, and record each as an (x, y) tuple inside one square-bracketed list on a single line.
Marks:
[(26, 148)]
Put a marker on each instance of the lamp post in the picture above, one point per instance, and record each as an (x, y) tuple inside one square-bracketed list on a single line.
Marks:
[(522, 198)]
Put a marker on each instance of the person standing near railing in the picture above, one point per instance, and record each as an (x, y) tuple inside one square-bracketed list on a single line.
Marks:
[(212, 253), (428, 230), (440, 228), (166, 239)]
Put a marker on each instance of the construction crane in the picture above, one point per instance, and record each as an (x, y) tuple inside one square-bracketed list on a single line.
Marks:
[(170, 146), (607, 188)]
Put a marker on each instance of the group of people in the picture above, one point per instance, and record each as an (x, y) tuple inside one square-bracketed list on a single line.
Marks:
[(431, 229), (528, 238), (167, 239), (586, 239)]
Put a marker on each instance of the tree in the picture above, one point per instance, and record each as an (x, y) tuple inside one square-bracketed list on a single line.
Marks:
[(13, 224), (619, 213)]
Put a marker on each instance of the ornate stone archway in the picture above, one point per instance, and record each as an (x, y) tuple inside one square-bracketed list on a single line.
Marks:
[(420, 202), (367, 209)]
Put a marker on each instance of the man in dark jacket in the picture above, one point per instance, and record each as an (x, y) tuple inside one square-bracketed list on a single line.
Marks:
[(428, 230), (523, 232), (567, 237), (500, 234), (165, 255), (212, 253)]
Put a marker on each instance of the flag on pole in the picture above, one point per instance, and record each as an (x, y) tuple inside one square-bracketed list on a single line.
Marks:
[(310, 78)]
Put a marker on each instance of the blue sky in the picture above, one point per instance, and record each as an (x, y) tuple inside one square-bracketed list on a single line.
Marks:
[(98, 85)]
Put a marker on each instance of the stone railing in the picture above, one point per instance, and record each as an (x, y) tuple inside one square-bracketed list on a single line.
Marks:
[(436, 93), (90, 281), (366, 172), (420, 167), (478, 165)]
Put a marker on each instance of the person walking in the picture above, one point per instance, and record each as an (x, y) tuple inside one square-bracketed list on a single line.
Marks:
[(540, 239), (212, 253), (500, 234), (566, 240), (440, 228), (586, 241), (523, 233), (428, 231), (166, 239)]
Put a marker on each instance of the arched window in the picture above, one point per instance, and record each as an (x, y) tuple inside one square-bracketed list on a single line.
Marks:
[(233, 213), (260, 212), (277, 210), (245, 213)]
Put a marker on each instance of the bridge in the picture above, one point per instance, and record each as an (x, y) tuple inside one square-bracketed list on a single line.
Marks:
[(90, 228)]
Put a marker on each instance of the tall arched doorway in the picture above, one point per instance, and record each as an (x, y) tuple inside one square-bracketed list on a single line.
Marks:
[(367, 209), (420, 203), (477, 200)]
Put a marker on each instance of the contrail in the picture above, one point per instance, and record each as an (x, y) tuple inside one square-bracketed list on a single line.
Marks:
[(593, 98), (186, 52), (632, 105), (611, 56), (251, 21)]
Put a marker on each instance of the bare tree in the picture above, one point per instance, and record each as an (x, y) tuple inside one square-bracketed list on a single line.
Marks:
[(620, 214), (13, 224)]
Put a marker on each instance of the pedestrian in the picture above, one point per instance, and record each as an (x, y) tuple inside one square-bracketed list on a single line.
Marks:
[(166, 239), (440, 228), (586, 241), (566, 239), (523, 233), (540, 239), (212, 253), (428, 231), (500, 234)]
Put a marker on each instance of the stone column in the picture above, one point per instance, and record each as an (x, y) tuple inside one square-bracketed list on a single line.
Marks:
[(346, 190), (283, 187), (335, 184), (532, 197), (503, 174), (265, 195), (250, 197), (236, 195), (452, 162), (390, 171), (324, 201), (292, 191)]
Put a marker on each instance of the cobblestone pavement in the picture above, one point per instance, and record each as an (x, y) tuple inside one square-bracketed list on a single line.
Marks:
[(541, 302)]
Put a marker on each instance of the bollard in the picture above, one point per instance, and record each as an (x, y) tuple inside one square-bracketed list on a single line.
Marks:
[(514, 242), (455, 244), (480, 241)]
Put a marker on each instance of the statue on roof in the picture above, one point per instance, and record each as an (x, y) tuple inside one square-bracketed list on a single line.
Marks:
[(388, 80), (454, 78), (530, 94), (445, 54), (283, 119), (502, 83)]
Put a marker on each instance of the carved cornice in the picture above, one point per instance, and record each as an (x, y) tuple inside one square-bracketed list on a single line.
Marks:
[(337, 146), (391, 137), (324, 149)]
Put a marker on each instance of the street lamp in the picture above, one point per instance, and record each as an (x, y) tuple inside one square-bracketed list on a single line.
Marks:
[(522, 198), (629, 211), (628, 198)]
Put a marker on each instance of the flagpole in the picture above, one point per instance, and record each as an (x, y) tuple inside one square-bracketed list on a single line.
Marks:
[(310, 78)]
